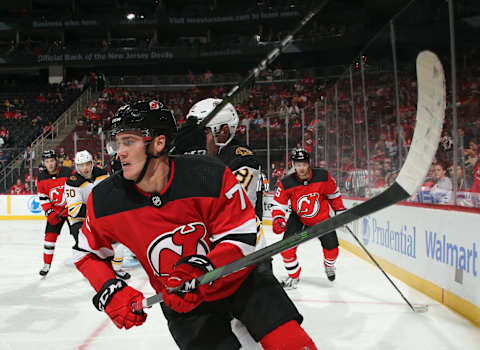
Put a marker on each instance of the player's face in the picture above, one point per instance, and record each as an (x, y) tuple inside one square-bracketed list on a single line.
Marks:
[(131, 152), (50, 165), (302, 169), (438, 172), (212, 147), (85, 169)]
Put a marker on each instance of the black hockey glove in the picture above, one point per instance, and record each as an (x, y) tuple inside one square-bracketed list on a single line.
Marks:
[(190, 138)]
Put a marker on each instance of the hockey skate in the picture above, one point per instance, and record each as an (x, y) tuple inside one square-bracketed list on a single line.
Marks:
[(330, 272), (43, 272), (290, 283), (124, 275)]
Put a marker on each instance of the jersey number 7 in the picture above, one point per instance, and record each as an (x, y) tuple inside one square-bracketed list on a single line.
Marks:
[(237, 188)]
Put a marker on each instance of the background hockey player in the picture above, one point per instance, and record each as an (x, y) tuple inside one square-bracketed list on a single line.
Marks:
[(51, 183), (311, 192), (218, 139), (77, 190), (171, 212)]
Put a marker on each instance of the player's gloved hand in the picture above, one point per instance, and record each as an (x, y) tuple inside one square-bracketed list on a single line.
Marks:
[(279, 225), (188, 296), (116, 299), (52, 217), (191, 138)]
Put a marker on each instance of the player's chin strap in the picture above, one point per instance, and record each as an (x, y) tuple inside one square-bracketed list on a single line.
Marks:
[(147, 162)]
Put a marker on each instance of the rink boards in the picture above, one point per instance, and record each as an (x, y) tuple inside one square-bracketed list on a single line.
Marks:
[(433, 249), (21, 207)]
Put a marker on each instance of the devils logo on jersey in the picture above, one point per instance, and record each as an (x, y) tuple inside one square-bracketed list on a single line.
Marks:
[(56, 196), (308, 205), (168, 248)]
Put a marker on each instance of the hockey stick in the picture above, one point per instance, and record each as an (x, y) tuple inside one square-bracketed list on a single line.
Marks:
[(415, 308), (272, 56), (430, 116)]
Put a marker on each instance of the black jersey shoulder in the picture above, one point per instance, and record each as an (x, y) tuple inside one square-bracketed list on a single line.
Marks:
[(318, 175), (193, 176), (290, 181), (115, 195), (76, 180), (43, 175), (97, 172), (236, 155), (61, 172), (196, 176)]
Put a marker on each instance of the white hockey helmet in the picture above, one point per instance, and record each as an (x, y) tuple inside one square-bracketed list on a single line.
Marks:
[(228, 115), (82, 157)]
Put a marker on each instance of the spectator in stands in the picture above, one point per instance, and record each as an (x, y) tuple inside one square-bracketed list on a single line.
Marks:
[(17, 188), (476, 178), (389, 174), (378, 179), (4, 134), (27, 189), (30, 179), (47, 129), (277, 72), (207, 76), (41, 98), (36, 121), (471, 161), (461, 183), (442, 188)]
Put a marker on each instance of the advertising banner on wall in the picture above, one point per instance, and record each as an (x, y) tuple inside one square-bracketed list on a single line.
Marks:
[(22, 207), (437, 245), (433, 249)]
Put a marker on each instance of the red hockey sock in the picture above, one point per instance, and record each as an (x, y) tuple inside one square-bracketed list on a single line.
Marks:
[(289, 336), (291, 263), (49, 247), (330, 256)]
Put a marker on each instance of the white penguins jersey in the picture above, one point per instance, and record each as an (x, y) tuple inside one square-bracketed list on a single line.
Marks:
[(77, 190)]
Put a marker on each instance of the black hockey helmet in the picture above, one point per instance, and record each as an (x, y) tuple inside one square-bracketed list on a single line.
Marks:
[(49, 154), (151, 118), (300, 155)]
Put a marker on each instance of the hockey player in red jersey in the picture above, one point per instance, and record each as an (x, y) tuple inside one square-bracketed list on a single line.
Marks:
[(181, 216), (51, 184), (311, 192)]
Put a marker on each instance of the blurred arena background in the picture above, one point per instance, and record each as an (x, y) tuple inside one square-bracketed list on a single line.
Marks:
[(344, 89)]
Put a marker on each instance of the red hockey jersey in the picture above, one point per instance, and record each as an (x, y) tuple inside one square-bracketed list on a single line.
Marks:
[(202, 210), (50, 189), (309, 198)]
